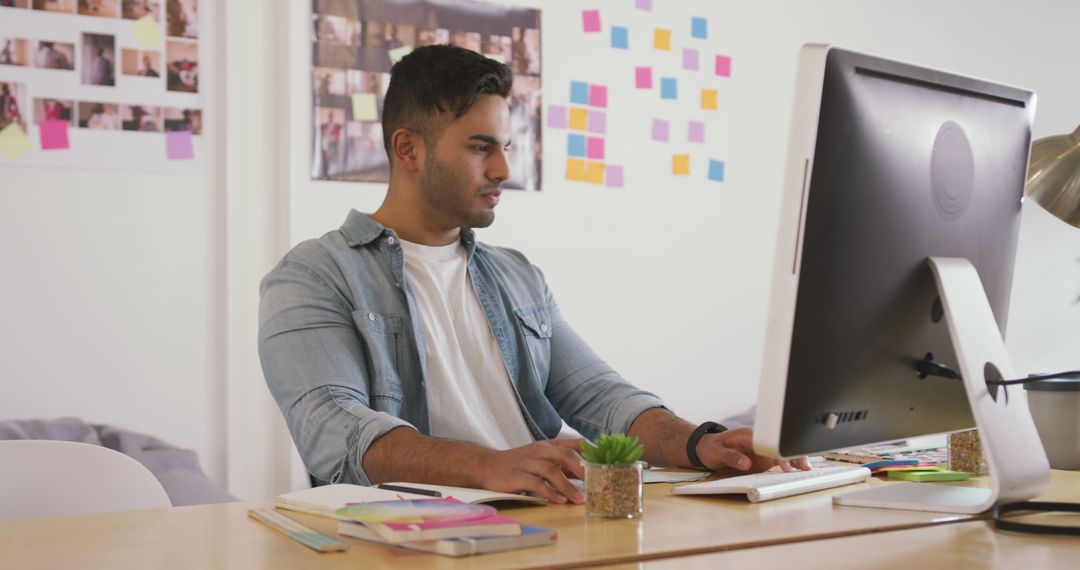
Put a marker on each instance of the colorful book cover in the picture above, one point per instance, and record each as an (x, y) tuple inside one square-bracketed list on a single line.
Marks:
[(429, 519)]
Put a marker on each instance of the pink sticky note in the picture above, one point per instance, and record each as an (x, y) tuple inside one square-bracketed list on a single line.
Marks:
[(595, 148), (179, 145), (660, 130), (723, 66), (591, 20), (690, 58), (556, 117), (598, 95), (54, 135), (644, 4), (696, 132), (644, 77), (614, 176)]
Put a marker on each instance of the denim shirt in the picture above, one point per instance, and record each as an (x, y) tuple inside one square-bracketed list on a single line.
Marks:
[(343, 352)]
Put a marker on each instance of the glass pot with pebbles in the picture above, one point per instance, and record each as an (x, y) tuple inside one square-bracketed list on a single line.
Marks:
[(613, 477)]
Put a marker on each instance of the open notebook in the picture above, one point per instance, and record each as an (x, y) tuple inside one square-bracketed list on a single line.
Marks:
[(323, 501)]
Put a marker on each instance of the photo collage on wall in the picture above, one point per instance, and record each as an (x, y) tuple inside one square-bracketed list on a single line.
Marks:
[(115, 73), (356, 42)]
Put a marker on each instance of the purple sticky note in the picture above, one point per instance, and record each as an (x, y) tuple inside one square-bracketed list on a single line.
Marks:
[(54, 135), (595, 148), (723, 66), (643, 77), (591, 20), (696, 132), (644, 5), (556, 117), (690, 58), (597, 122), (614, 176), (598, 95), (179, 145), (660, 130)]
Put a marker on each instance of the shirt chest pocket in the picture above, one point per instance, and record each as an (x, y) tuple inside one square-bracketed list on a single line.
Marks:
[(535, 327), (381, 337)]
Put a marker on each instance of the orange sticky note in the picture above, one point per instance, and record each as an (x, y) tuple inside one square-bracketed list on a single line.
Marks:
[(575, 169), (708, 99), (579, 118), (680, 164), (662, 39), (594, 172)]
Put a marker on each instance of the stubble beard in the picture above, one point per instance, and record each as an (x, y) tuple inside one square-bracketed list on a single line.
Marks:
[(450, 197)]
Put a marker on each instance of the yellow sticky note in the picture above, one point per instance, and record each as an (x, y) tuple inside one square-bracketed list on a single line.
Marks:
[(575, 169), (662, 39), (397, 53), (147, 32), (579, 118), (708, 99), (364, 107), (14, 142), (680, 164), (594, 172)]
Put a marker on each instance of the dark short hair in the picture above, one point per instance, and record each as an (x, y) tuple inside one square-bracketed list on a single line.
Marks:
[(438, 82)]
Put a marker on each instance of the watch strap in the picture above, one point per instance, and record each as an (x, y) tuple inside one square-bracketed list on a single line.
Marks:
[(695, 437)]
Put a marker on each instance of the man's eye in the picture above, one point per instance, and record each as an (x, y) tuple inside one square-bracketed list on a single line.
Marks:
[(480, 148)]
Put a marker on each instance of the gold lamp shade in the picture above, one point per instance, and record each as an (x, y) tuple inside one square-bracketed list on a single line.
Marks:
[(1054, 176)]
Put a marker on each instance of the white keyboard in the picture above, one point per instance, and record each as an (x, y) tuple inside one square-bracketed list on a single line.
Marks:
[(776, 484)]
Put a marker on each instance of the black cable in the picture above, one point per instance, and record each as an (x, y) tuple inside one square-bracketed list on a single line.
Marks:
[(1040, 507), (1029, 379), (930, 367)]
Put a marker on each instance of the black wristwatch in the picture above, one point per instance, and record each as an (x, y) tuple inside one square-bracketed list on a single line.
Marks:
[(691, 444)]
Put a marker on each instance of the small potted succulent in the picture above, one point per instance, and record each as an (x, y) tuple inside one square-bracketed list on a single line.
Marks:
[(613, 484)]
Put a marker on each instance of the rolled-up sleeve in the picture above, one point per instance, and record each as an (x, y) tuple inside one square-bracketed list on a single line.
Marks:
[(589, 395), (315, 366)]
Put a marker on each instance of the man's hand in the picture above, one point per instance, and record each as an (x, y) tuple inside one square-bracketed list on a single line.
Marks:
[(540, 468), (735, 449)]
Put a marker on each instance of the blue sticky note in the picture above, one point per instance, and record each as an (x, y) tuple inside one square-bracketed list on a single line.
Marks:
[(668, 88), (619, 37), (699, 28), (575, 145), (716, 170), (579, 92)]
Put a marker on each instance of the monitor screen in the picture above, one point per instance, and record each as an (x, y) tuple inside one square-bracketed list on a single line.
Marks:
[(888, 164)]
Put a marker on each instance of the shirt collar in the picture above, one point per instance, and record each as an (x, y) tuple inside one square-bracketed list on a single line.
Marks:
[(359, 230)]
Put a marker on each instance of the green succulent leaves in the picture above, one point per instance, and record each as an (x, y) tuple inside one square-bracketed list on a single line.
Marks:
[(612, 449)]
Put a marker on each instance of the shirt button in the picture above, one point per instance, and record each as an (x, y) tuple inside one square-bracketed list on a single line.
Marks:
[(543, 327), (371, 316), (391, 240)]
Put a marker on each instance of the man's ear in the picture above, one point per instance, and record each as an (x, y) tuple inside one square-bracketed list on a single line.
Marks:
[(407, 148)]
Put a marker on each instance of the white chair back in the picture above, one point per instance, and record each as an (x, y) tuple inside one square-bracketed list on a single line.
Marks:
[(54, 478)]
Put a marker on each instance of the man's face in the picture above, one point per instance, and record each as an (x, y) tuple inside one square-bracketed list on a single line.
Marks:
[(464, 170)]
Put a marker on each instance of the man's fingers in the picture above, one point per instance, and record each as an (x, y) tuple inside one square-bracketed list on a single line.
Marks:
[(538, 486), (802, 463), (563, 455), (736, 459), (552, 473)]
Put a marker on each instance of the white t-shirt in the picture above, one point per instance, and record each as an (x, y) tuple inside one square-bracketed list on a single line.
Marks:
[(468, 388)]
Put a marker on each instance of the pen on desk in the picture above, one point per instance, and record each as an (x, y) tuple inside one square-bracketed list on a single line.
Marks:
[(413, 490)]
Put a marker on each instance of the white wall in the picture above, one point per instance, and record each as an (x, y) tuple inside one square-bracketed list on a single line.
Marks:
[(112, 293), (131, 298)]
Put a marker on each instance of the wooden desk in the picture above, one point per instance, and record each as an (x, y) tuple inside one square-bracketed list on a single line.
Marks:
[(222, 536), (974, 544)]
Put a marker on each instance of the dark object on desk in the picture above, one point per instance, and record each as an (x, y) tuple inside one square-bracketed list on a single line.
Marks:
[(414, 490), (176, 469), (1001, 523)]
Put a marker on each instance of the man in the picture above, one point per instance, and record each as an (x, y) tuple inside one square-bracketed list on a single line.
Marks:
[(101, 71), (400, 348)]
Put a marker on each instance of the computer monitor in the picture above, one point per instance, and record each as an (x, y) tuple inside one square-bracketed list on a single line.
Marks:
[(891, 165)]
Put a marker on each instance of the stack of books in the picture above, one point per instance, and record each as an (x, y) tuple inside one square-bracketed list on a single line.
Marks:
[(444, 520)]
